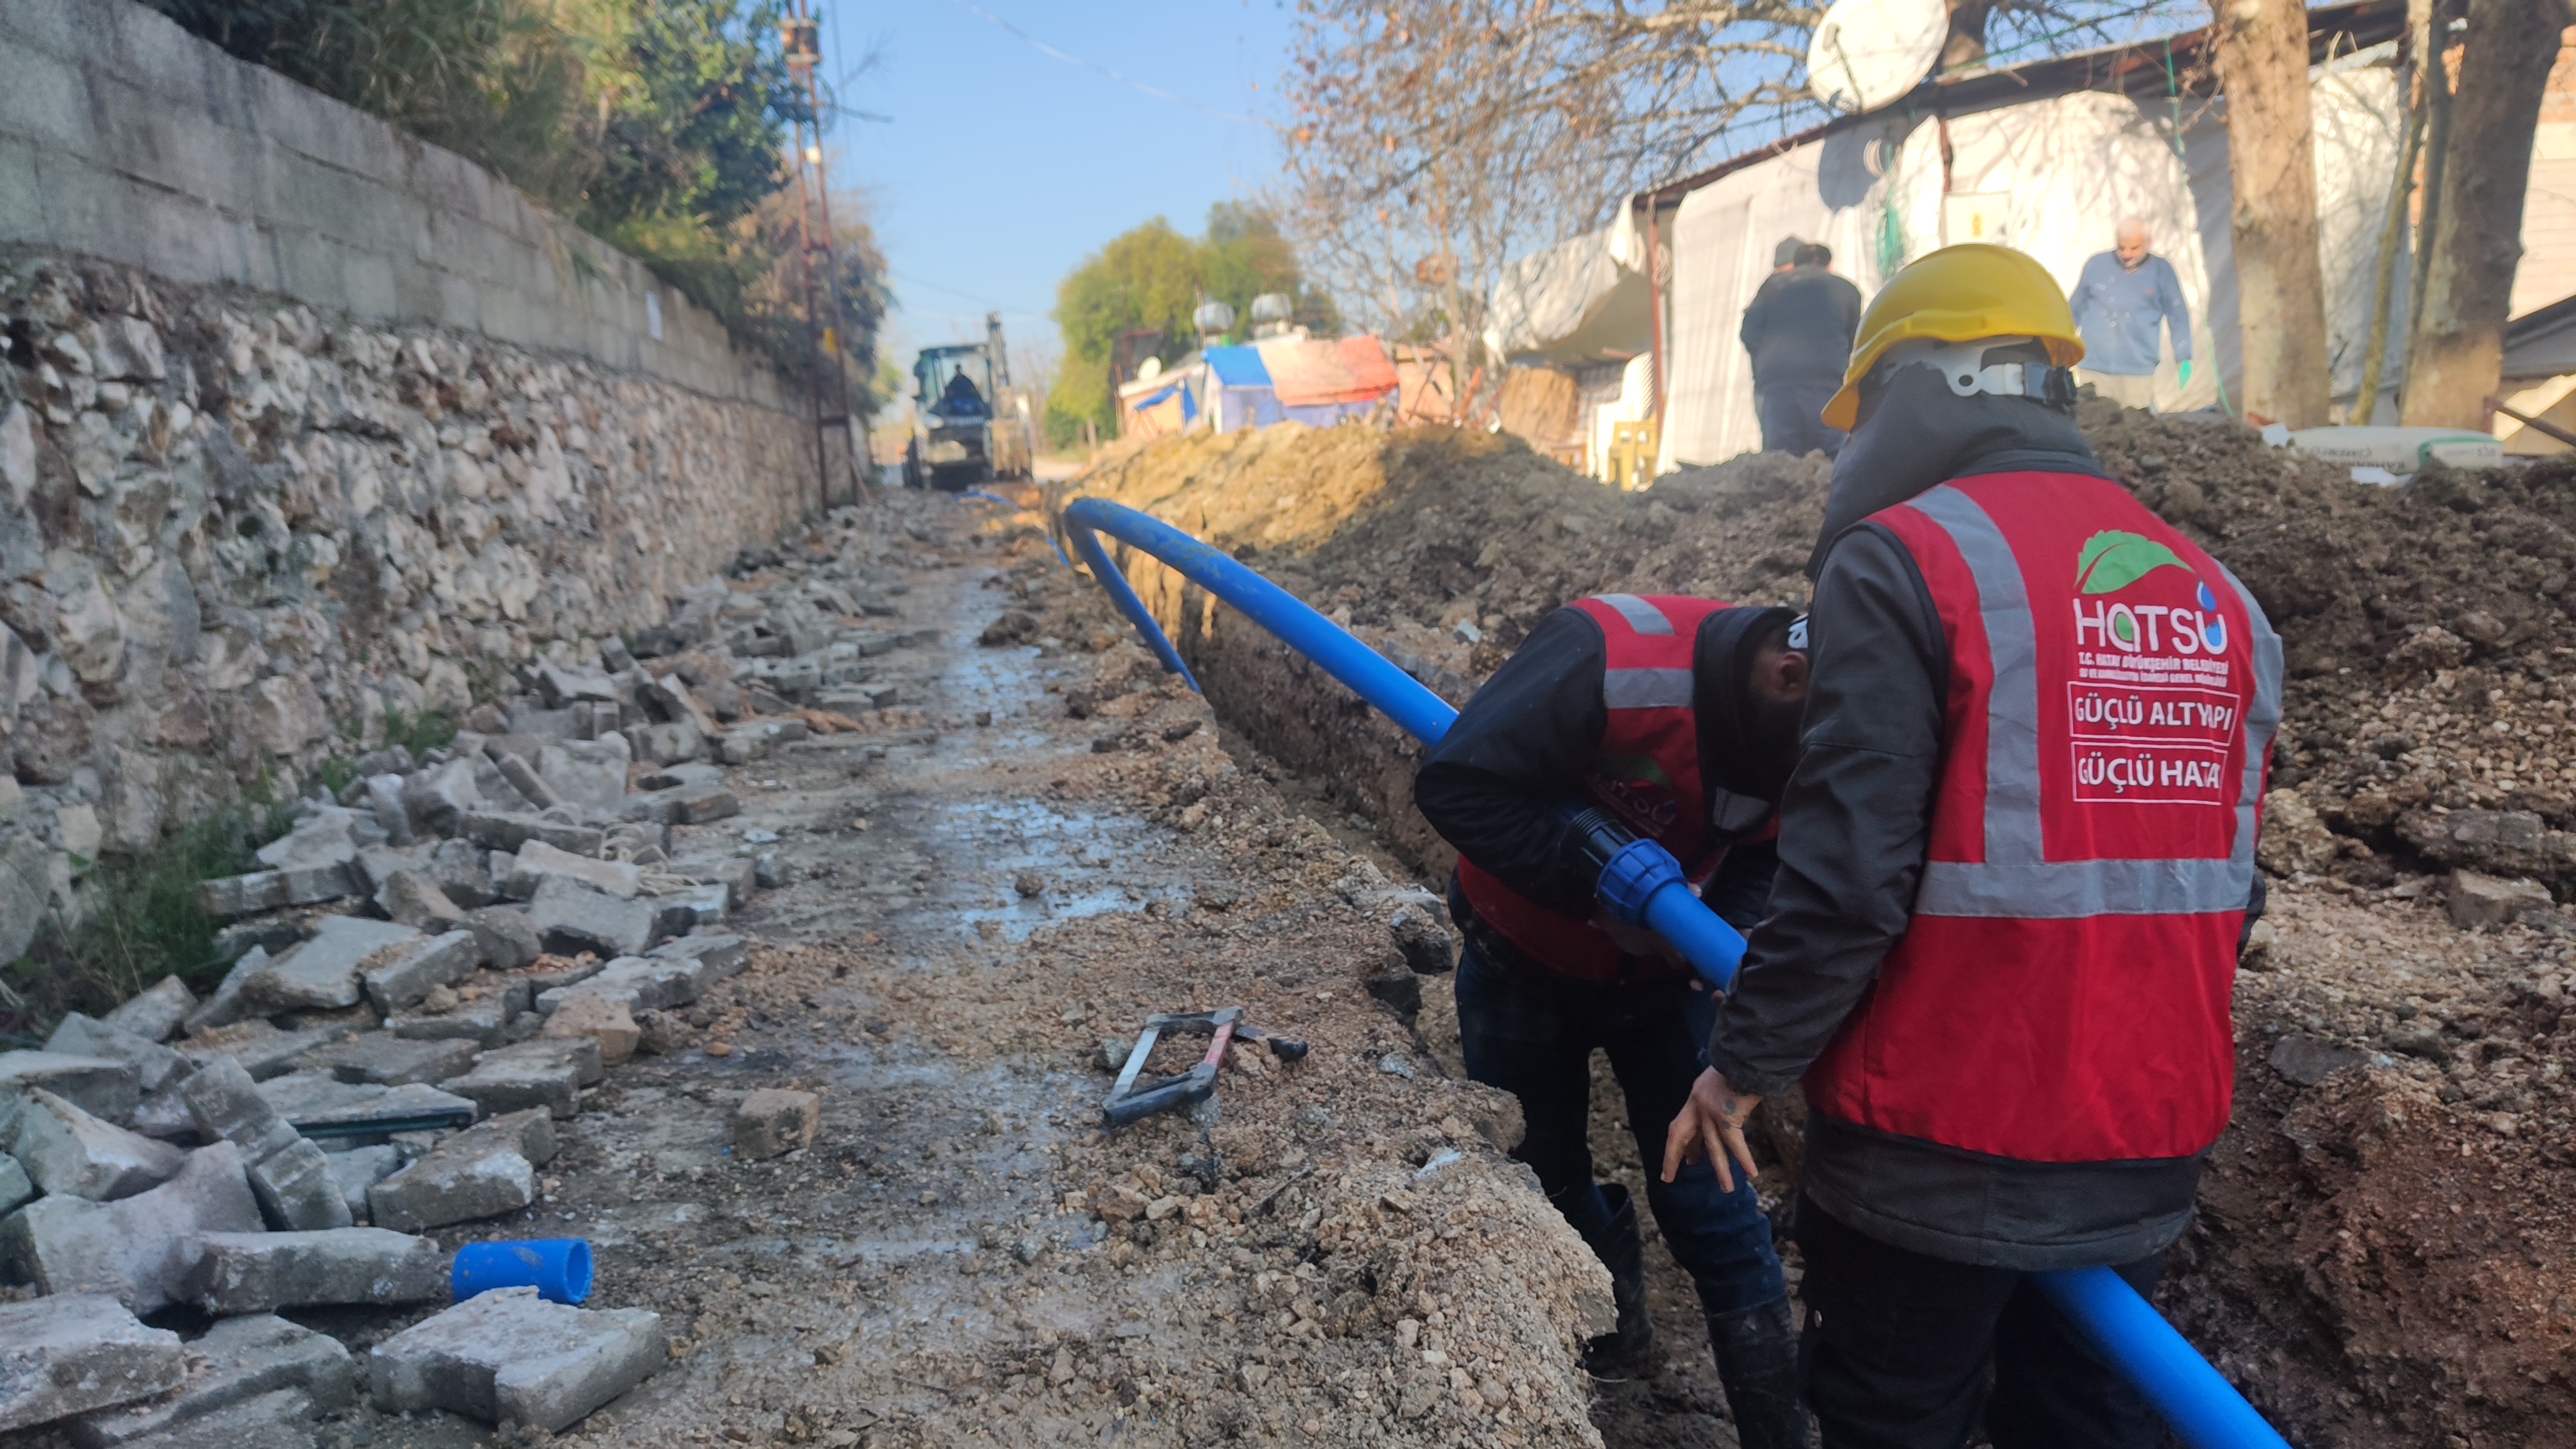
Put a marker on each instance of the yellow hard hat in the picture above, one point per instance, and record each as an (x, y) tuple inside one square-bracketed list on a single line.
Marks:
[(1959, 294)]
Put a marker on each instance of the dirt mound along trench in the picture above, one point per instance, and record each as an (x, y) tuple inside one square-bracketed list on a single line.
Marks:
[(2428, 642)]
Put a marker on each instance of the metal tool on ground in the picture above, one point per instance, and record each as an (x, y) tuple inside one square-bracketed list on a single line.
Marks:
[(1136, 1096)]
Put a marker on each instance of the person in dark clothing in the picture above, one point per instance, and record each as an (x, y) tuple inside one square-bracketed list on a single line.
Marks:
[(1799, 333), (2001, 940), (1677, 717)]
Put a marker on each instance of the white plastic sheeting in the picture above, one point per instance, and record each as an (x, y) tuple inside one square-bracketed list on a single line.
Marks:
[(2052, 177), (1582, 300)]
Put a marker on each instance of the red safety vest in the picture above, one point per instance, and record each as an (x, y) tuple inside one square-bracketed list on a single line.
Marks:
[(1646, 773), (2061, 993)]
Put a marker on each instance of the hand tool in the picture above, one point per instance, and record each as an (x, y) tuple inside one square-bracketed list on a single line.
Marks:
[(1136, 1097)]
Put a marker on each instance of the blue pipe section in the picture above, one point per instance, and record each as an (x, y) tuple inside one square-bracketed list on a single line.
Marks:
[(2204, 1409)]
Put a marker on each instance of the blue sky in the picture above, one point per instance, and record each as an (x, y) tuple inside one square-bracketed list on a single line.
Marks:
[(1002, 167)]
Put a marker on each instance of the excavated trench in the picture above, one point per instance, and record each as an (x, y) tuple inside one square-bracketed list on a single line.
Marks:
[(2383, 1256)]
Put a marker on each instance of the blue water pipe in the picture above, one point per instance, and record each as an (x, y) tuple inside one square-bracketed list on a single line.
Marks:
[(558, 1268), (1638, 885)]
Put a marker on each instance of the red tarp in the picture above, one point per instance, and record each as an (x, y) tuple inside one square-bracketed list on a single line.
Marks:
[(1349, 369)]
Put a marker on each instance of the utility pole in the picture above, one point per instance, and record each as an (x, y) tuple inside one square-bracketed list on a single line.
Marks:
[(825, 332)]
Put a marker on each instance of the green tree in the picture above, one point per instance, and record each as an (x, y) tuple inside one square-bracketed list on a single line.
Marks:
[(1152, 279)]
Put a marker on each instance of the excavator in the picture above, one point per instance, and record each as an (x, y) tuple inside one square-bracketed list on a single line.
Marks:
[(969, 425)]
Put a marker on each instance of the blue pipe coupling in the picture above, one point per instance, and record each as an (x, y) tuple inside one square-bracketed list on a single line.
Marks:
[(558, 1268)]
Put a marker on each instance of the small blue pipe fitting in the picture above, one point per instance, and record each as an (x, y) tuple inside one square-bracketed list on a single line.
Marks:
[(2204, 1409), (558, 1268)]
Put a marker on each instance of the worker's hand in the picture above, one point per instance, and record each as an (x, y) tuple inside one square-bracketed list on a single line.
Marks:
[(1637, 940), (1711, 1125), (2186, 372)]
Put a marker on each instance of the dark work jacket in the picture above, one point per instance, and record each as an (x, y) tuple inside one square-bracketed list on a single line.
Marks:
[(1800, 327), (1854, 824), (1530, 738)]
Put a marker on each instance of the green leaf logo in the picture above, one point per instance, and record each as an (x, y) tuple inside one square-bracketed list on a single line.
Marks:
[(2112, 560), (1640, 769)]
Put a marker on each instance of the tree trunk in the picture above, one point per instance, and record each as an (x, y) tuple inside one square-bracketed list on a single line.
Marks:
[(2262, 52), (2457, 357)]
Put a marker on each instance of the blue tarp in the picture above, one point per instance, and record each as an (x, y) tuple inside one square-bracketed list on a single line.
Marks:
[(1238, 366)]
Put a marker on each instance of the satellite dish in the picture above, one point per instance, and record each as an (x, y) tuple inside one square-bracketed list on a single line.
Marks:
[(1870, 53)]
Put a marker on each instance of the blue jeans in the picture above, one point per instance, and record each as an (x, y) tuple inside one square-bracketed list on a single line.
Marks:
[(1531, 1032), (1792, 417)]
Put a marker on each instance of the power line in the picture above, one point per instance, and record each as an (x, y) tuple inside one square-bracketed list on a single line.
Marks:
[(1124, 80)]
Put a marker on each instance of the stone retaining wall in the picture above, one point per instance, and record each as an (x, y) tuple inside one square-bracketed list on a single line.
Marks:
[(238, 533)]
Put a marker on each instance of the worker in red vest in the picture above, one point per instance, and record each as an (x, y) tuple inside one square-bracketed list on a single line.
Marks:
[(2016, 863), (1674, 719)]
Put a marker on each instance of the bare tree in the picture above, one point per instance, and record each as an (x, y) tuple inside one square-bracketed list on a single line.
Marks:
[(1434, 140), (2455, 358), (2261, 47)]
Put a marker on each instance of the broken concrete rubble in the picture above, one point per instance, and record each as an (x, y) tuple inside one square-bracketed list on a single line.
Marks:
[(155, 1013), (571, 918), (602, 1019), (139, 1250), (479, 1173), (68, 1151), (155, 1066), (235, 1362), (321, 1105), (411, 898), (97, 1085), (262, 1050), (387, 1060), (771, 1121), (506, 939), (360, 1168), (509, 1357), (275, 890), (72, 1353), (323, 972), (400, 977), (537, 862), (262, 1272), (548, 1073)]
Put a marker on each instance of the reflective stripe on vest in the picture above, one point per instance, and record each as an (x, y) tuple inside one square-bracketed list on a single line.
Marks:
[(2016, 879), (1646, 773)]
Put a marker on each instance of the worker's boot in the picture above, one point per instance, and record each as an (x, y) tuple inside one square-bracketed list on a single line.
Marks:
[(1757, 1361), (1627, 1348)]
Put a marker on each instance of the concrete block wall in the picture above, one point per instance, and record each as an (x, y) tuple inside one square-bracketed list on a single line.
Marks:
[(126, 138)]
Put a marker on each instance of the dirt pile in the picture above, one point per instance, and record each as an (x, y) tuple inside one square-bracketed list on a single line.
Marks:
[(2397, 1072)]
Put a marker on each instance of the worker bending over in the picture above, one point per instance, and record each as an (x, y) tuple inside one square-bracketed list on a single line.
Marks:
[(2016, 862), (1678, 718)]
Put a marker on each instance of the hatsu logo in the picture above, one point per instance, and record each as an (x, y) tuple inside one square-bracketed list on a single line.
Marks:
[(2114, 559)]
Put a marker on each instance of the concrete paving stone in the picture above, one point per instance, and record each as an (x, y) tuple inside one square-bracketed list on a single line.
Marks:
[(387, 1060), (138, 1250), (155, 1066), (263, 1272), (723, 954), (321, 1102), (532, 1132), (324, 838), (560, 687), (359, 1168), (571, 918), (383, 798), (322, 974), (227, 1005), (538, 862), (504, 936), (547, 1073), (510, 1357), (440, 795), (154, 1014), (588, 775), (681, 776), (668, 697), (100, 1086), (478, 1173), (411, 898), (481, 1022), (229, 1105), (399, 979), (296, 1191), (164, 1116), (665, 744), (495, 831), (234, 1362), (377, 864), (68, 1151), (460, 867), (561, 971), (71, 1354), (282, 1419), (16, 1187), (692, 909), (638, 983), (275, 890), (601, 1019), (773, 1120), (230, 1365), (522, 776), (263, 1050)]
